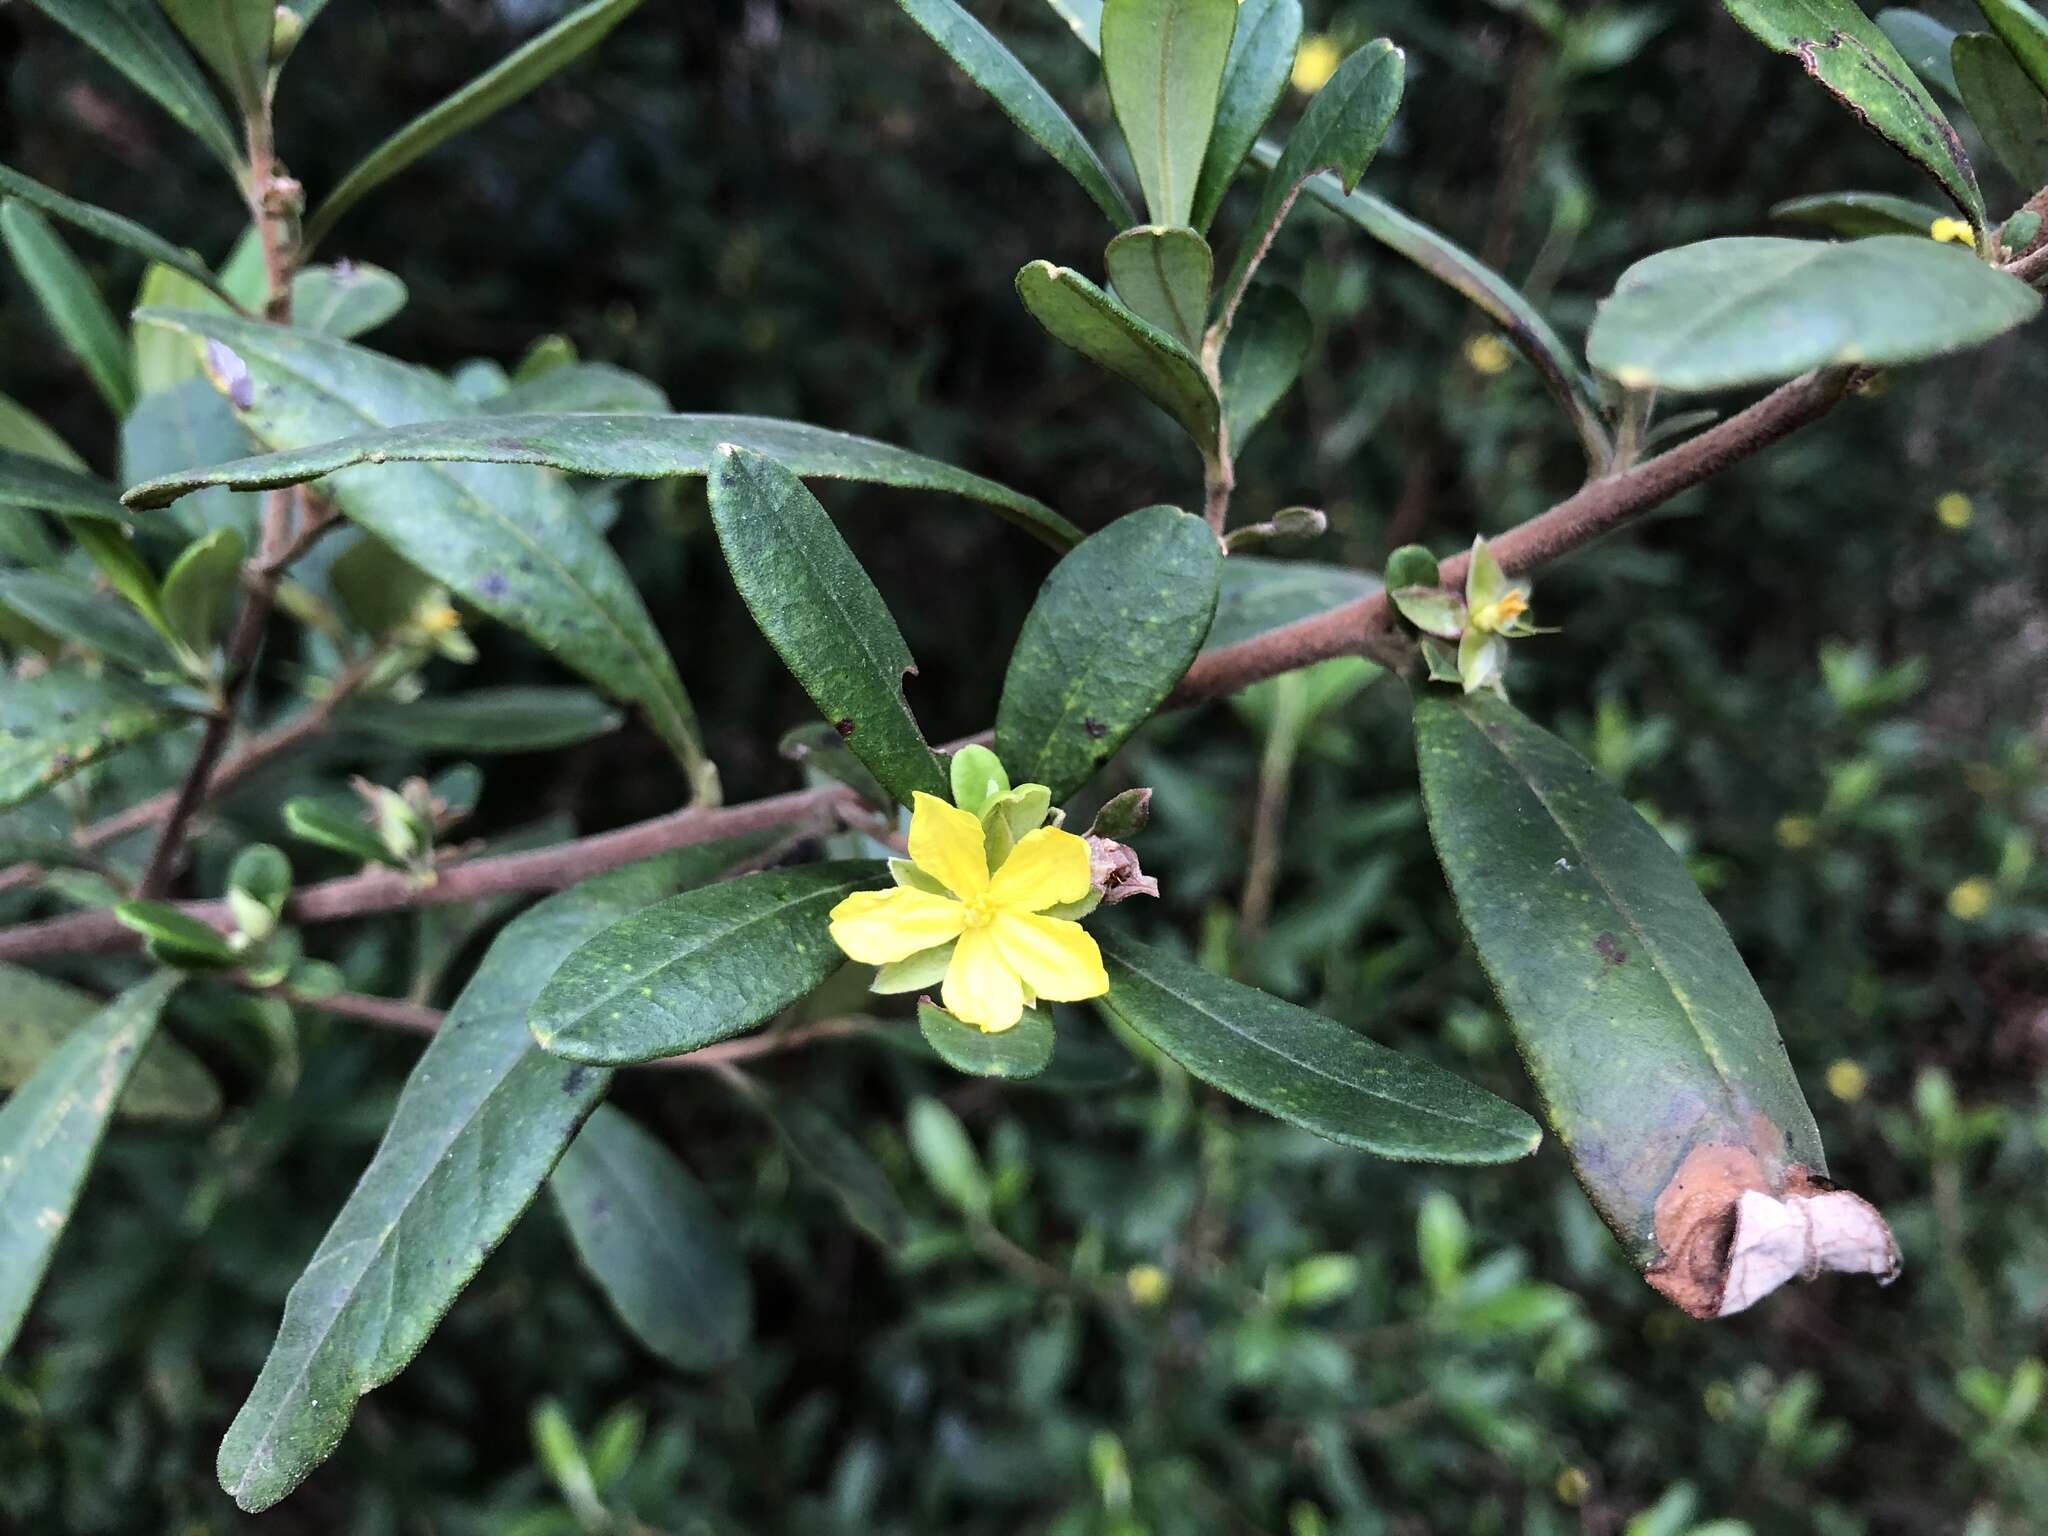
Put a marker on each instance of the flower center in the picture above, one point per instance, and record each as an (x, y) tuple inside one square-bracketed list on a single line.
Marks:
[(980, 911), (1495, 616)]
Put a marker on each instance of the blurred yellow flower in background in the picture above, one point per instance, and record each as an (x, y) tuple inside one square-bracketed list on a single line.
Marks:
[(1316, 61)]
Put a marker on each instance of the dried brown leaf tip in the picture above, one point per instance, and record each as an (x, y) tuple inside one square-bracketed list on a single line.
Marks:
[(1113, 870), (1728, 1234)]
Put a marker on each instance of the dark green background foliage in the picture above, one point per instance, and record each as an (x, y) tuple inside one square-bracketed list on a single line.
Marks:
[(1830, 700)]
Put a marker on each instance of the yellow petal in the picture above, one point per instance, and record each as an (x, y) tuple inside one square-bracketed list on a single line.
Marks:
[(1056, 959), (880, 927), (1048, 868), (945, 842), (980, 988)]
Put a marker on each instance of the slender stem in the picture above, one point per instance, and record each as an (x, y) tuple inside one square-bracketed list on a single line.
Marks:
[(1354, 629), (1269, 814)]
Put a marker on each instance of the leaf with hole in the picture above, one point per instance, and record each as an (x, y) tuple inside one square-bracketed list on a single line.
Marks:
[(1114, 627), (1852, 58), (50, 1130), (1306, 1069), (700, 967), (822, 615), (1726, 313), (657, 1247)]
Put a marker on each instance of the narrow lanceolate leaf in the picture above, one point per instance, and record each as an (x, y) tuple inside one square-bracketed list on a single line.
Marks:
[(1493, 295), (509, 540), (70, 302), (830, 1154), (1261, 57), (823, 616), (37, 1016), (581, 387), (1343, 128), (624, 447), (1163, 61), (2007, 107), (480, 1125), (81, 615), (1022, 1051), (65, 719), (1658, 1062), (133, 36), (39, 485), (1076, 312), (1308, 1070), (1261, 595), (50, 1128), (1856, 214), (111, 227), (1725, 313), (346, 299), (1848, 54), (495, 89), (1923, 43), (1163, 275), (233, 37), (700, 967), (1262, 357), (2023, 29), (516, 719), (990, 65), (654, 1243), (1114, 628)]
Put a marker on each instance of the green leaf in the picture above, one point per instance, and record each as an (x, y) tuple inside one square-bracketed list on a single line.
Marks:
[(509, 540), (1083, 19), (164, 360), (103, 225), (1308, 1070), (1340, 132), (1924, 43), (261, 875), (233, 37), (1114, 628), (1847, 53), (2024, 30), (1076, 312), (990, 65), (177, 428), (513, 719), (70, 302), (822, 751), (1163, 61), (50, 1129), (133, 36), (65, 719), (626, 447), (175, 938), (199, 588), (1019, 1052), (943, 1150), (480, 1125), (1261, 57), (2007, 108), (1260, 595), (1262, 357), (827, 1152), (823, 616), (37, 1015), (345, 299), (581, 387), (1856, 214), (341, 828), (655, 1244), (1726, 313), (1636, 1019), (81, 614), (1163, 276), (700, 967), (496, 88), (113, 552)]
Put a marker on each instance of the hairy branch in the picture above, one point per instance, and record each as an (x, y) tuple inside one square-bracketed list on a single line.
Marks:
[(1353, 629)]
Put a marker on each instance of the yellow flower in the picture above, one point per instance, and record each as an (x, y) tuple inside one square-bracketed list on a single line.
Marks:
[(1795, 831), (1573, 1485), (1954, 511), (1006, 954), (1487, 354), (1315, 63), (1147, 1284), (1970, 900), (1958, 231), (1847, 1080)]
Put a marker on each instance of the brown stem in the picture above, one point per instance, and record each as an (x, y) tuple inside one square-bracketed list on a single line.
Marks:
[(1351, 630)]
